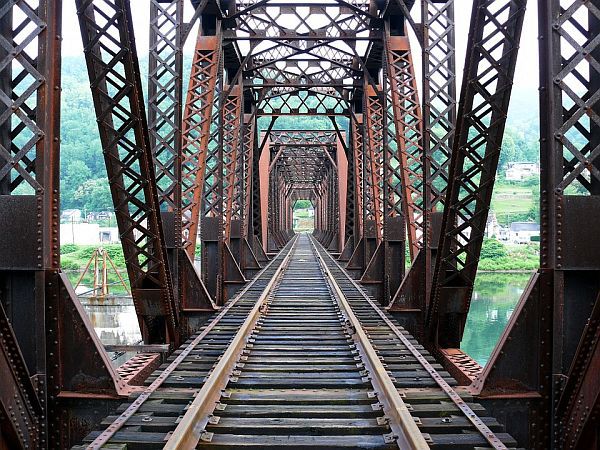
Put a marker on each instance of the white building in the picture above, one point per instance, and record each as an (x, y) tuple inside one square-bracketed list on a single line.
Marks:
[(519, 171), (522, 232), (71, 215)]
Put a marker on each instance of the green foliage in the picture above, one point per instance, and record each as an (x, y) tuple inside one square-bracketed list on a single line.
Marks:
[(303, 204), (508, 263), (67, 263), (493, 249), (495, 256), (68, 248), (94, 195)]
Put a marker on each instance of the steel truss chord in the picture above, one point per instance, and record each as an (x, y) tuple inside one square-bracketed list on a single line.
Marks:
[(117, 92), (49, 347), (491, 58)]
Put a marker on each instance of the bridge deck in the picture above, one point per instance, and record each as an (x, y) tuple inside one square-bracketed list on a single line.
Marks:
[(301, 358)]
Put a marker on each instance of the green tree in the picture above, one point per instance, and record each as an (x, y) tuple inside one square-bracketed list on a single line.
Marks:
[(302, 204), (95, 195), (75, 175)]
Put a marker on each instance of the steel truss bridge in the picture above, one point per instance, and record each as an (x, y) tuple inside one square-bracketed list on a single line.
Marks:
[(279, 340)]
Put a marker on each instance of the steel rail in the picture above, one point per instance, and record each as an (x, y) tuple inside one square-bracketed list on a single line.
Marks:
[(118, 423), (189, 430), (481, 427), (403, 425)]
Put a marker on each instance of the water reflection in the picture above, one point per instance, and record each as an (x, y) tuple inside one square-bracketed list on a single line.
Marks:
[(115, 322), (494, 299)]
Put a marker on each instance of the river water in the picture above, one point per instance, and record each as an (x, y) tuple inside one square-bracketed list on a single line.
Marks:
[(494, 300)]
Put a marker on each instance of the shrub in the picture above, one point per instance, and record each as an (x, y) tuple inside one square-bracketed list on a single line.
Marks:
[(68, 248), (67, 263), (493, 249)]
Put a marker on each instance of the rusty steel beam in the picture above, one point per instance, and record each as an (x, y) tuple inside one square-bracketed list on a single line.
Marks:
[(21, 413), (439, 97), (117, 92), (232, 141), (197, 119), (373, 154), (53, 354), (438, 124), (490, 63), (578, 409), (165, 97), (408, 128)]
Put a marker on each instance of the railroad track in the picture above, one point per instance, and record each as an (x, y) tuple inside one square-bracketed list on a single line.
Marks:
[(302, 358)]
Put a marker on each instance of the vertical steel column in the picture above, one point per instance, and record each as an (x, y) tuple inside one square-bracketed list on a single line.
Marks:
[(233, 142), (353, 210), (256, 235), (376, 193), (491, 58), (374, 155), (358, 259), (197, 121), (232, 153), (165, 98), (117, 92), (407, 163), (439, 123)]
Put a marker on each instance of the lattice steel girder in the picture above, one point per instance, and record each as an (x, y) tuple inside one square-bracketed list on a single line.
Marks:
[(302, 102), (560, 362), (197, 120), (356, 129), (439, 97), (165, 98), (316, 22), (491, 58), (248, 177), (113, 69), (408, 134), (301, 64), (49, 346), (302, 137), (374, 158), (233, 164)]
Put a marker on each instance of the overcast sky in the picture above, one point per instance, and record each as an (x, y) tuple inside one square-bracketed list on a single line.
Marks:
[(525, 77)]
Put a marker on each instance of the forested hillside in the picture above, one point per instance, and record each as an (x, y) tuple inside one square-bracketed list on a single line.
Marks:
[(83, 175)]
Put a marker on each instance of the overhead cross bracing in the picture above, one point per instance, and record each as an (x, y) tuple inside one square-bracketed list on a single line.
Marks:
[(354, 106)]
